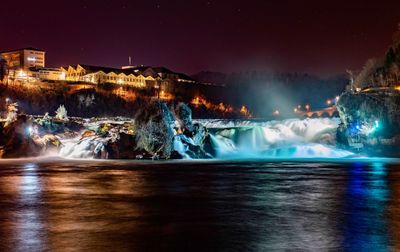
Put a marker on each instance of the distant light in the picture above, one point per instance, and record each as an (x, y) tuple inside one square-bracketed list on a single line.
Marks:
[(299, 106), (376, 123), (337, 98), (295, 110), (32, 59), (328, 102), (307, 107), (276, 113)]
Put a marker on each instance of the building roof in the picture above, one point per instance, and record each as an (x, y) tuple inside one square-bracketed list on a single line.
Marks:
[(139, 70), (106, 70), (25, 48), (161, 70)]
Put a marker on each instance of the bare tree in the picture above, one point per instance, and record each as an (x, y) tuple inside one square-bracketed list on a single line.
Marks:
[(366, 76), (395, 72)]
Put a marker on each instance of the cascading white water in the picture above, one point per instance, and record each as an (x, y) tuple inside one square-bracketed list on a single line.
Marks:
[(86, 148), (307, 138), (292, 138)]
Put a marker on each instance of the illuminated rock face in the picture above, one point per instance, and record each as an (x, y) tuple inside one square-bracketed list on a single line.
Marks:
[(157, 132), (20, 140), (370, 122)]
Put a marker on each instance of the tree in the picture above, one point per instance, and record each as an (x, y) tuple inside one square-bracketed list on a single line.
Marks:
[(12, 113), (366, 76), (395, 72), (3, 69), (390, 58), (396, 38), (61, 113)]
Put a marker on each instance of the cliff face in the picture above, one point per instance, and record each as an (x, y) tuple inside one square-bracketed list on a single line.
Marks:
[(370, 122), (370, 112)]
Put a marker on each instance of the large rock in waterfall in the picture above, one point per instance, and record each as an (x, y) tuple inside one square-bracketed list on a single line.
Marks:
[(370, 122), (18, 140), (125, 147), (164, 134), (154, 125), (191, 140)]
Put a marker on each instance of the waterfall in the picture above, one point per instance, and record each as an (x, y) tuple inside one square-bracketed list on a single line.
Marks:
[(299, 138), (86, 148), (291, 138)]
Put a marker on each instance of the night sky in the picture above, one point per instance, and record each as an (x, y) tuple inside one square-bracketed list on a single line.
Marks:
[(320, 37)]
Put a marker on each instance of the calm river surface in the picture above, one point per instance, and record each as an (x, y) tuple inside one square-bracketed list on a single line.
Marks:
[(58, 205)]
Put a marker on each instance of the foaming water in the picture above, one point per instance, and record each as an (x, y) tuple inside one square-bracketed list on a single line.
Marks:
[(291, 138), (308, 138), (85, 148)]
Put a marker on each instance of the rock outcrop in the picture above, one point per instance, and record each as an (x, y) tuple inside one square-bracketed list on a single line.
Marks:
[(21, 139), (370, 122), (169, 134), (156, 132)]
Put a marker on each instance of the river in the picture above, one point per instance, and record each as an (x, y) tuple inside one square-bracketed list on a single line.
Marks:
[(52, 204)]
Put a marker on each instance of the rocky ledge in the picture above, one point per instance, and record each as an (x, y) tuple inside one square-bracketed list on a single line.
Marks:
[(156, 132), (370, 122)]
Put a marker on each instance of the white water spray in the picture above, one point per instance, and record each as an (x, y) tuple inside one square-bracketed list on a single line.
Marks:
[(308, 138), (292, 138)]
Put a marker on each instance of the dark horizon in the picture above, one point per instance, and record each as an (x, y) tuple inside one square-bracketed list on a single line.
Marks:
[(310, 37)]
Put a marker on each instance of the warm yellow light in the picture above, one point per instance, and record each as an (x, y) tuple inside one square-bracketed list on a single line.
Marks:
[(196, 101), (21, 74), (295, 110)]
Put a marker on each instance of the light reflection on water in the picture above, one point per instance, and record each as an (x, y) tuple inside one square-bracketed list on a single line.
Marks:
[(198, 206), (366, 203)]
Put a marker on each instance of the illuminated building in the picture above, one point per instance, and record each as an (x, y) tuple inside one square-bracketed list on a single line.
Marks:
[(160, 72), (28, 64), (142, 76), (24, 58), (46, 73), (97, 75)]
